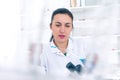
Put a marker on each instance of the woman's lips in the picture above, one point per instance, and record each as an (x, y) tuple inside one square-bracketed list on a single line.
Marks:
[(61, 36)]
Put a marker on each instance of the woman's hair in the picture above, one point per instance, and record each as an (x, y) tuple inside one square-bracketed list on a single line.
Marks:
[(60, 11)]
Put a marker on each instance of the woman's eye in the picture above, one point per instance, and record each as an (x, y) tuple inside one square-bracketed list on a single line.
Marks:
[(57, 25), (67, 25)]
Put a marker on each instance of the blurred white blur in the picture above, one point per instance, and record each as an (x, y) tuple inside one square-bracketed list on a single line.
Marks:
[(24, 27)]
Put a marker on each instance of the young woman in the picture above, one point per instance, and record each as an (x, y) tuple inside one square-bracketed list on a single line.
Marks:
[(63, 54)]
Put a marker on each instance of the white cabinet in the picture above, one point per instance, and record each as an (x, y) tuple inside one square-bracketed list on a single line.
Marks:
[(102, 24), (85, 20)]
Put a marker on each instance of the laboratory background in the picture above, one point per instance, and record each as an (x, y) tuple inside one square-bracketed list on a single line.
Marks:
[(24, 27)]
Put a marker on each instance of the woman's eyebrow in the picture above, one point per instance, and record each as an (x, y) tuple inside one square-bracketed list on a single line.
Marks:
[(68, 23), (57, 22), (65, 23)]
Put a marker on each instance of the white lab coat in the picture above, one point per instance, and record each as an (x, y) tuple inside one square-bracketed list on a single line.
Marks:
[(53, 61)]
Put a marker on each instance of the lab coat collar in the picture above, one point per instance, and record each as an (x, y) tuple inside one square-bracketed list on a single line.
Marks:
[(57, 51), (54, 47), (70, 45)]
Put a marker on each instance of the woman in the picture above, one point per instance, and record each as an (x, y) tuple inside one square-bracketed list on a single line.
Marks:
[(62, 51)]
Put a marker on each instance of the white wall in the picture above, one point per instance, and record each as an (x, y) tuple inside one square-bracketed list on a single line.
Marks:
[(9, 30)]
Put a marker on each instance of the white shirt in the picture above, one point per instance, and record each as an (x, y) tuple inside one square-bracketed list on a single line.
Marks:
[(53, 61)]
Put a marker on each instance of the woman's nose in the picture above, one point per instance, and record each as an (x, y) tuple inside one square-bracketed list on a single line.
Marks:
[(62, 29)]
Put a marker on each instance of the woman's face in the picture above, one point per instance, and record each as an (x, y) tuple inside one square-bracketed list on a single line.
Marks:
[(61, 27)]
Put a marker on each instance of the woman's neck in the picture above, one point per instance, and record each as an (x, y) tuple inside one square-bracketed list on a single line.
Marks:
[(61, 46)]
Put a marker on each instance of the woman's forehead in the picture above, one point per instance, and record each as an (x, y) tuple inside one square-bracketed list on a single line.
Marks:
[(62, 18), (63, 15)]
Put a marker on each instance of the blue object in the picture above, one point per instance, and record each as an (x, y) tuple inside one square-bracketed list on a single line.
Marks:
[(83, 60)]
